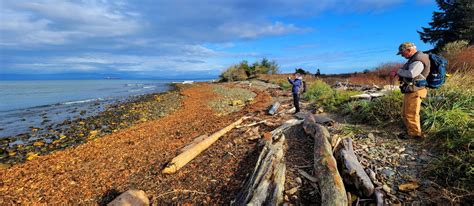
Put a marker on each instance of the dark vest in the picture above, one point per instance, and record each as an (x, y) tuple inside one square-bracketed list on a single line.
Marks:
[(409, 84)]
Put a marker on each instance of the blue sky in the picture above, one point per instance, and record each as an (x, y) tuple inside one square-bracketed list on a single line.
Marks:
[(159, 39)]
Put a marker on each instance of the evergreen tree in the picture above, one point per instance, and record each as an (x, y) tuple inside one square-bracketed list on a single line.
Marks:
[(454, 22)]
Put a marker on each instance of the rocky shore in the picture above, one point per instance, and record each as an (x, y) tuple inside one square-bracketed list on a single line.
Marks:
[(43, 139)]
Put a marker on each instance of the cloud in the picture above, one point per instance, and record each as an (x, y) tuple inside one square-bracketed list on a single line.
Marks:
[(58, 22), (250, 31), (151, 35)]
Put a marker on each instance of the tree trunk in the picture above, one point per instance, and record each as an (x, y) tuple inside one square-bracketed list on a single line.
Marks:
[(186, 156), (266, 184), (330, 182), (352, 171)]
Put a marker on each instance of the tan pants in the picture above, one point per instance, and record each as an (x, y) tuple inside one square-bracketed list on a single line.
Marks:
[(411, 111)]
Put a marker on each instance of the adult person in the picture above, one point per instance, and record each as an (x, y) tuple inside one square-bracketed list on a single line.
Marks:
[(297, 83), (416, 68)]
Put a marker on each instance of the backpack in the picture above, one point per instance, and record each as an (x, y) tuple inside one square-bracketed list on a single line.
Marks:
[(437, 75), (303, 87)]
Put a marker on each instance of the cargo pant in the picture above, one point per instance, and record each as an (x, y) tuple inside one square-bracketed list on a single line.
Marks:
[(411, 111)]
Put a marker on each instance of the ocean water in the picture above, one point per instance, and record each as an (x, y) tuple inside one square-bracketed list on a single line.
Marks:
[(26, 104)]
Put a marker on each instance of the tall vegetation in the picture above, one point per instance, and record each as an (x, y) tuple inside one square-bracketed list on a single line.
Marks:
[(447, 118), (244, 71), (454, 22)]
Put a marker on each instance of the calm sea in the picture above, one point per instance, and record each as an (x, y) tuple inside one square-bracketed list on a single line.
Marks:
[(26, 104)]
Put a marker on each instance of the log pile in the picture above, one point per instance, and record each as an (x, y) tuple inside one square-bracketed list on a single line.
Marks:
[(337, 169), (336, 160), (266, 184)]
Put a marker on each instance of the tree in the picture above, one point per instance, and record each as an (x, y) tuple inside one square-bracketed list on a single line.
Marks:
[(301, 71), (454, 22), (318, 73)]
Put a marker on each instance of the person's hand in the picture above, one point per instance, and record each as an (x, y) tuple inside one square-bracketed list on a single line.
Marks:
[(289, 77), (393, 73)]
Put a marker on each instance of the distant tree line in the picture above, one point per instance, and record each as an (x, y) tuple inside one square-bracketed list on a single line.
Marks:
[(244, 70)]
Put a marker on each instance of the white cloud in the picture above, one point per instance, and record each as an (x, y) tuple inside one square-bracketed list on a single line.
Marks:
[(251, 30), (59, 22), (149, 35)]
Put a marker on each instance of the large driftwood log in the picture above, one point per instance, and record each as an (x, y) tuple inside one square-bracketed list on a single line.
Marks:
[(266, 184), (351, 170), (186, 156), (330, 182)]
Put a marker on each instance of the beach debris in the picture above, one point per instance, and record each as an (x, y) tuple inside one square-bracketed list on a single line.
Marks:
[(251, 124), (237, 103), (131, 198), (307, 176), (273, 110), (182, 159), (379, 197), (352, 171), (266, 184), (408, 186), (330, 182)]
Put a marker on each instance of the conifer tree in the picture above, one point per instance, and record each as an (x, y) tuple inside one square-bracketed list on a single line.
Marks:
[(454, 22)]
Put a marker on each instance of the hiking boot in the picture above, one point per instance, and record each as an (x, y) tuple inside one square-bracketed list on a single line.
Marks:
[(406, 136), (403, 136)]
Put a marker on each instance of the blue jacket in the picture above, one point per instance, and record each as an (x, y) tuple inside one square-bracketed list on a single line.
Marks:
[(296, 85)]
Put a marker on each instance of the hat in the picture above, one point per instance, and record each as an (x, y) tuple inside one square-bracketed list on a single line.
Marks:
[(404, 46)]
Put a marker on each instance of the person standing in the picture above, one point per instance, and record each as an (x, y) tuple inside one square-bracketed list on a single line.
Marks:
[(296, 86), (416, 68)]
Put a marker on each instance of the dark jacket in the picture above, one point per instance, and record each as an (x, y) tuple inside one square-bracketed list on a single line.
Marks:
[(296, 85)]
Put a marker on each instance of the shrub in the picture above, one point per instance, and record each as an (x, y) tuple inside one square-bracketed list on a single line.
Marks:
[(323, 95), (234, 73), (382, 110), (243, 70)]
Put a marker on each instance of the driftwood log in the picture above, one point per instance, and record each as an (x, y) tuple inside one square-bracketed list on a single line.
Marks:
[(273, 110), (325, 167), (182, 159), (266, 184), (351, 170)]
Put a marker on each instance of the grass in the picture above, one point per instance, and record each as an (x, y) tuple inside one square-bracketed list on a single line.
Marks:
[(447, 119)]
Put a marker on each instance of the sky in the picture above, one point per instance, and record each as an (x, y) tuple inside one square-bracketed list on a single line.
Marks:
[(201, 38)]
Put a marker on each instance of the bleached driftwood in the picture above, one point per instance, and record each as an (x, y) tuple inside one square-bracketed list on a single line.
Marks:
[(274, 108), (194, 142), (266, 184), (186, 156), (330, 182), (351, 170)]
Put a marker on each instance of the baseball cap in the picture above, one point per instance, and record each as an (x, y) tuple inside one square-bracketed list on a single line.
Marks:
[(404, 46)]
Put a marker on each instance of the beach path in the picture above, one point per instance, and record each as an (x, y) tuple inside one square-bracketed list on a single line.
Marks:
[(132, 158)]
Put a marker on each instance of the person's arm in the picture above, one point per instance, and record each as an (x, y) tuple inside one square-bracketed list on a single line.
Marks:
[(291, 81), (414, 69)]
